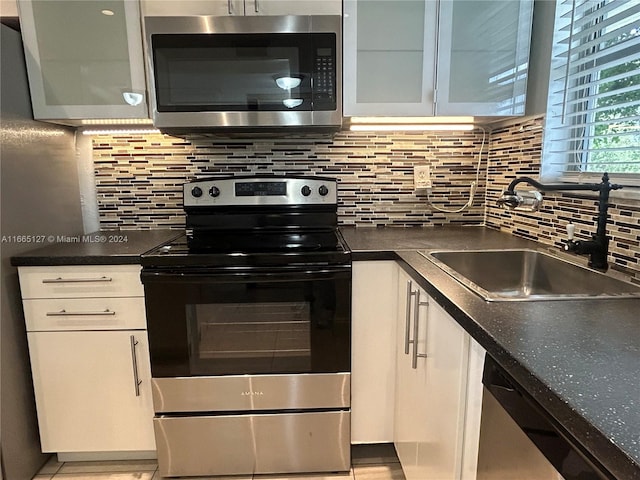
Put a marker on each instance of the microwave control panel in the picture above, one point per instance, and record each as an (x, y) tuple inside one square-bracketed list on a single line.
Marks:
[(324, 88)]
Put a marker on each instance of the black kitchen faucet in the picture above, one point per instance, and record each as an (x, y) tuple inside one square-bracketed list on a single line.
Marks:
[(598, 247)]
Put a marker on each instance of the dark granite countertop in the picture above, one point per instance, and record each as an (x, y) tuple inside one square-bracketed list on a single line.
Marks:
[(109, 247), (580, 359)]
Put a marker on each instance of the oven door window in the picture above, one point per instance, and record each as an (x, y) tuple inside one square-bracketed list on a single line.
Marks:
[(244, 72), (250, 337), (214, 327)]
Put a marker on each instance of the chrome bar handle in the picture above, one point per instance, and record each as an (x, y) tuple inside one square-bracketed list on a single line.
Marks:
[(416, 328), (134, 358), (64, 313), (229, 7), (407, 338), (257, 7), (76, 280)]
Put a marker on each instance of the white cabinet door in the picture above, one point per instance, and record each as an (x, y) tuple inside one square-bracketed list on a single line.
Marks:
[(389, 57), (473, 411), (483, 55), (412, 383), (157, 8), (406, 394), (431, 387), (86, 393), (293, 7), (373, 350), (84, 59), (219, 8), (445, 377)]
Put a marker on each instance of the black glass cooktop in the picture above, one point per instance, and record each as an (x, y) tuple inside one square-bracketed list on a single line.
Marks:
[(246, 249)]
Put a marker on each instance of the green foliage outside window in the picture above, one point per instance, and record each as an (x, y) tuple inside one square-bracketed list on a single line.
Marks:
[(616, 141)]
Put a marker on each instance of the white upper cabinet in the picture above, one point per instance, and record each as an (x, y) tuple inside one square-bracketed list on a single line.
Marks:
[(84, 59), (293, 7), (388, 57), (424, 58), (159, 8), (483, 56), (164, 8)]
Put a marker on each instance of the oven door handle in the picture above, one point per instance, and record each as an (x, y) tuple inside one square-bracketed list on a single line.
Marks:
[(271, 276)]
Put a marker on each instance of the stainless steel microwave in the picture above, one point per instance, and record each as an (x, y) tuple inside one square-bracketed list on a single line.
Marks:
[(251, 74)]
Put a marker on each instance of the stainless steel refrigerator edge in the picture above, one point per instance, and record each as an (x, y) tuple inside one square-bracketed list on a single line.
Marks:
[(39, 195)]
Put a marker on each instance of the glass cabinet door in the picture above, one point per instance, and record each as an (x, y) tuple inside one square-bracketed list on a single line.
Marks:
[(293, 7), (219, 8), (154, 8), (483, 55), (84, 58), (389, 57)]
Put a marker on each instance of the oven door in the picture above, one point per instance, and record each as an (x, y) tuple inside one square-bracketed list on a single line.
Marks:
[(204, 324)]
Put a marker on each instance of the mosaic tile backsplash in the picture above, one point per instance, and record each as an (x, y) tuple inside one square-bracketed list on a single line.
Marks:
[(139, 178), (139, 181)]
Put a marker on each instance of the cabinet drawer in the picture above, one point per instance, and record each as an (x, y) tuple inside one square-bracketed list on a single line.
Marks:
[(81, 281), (198, 445), (105, 313)]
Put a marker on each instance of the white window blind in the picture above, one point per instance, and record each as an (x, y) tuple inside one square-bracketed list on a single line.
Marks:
[(593, 114)]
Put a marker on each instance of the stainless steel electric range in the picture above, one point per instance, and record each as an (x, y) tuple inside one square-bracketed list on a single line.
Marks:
[(249, 323)]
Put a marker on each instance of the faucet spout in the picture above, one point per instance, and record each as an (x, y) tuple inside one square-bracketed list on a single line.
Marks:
[(509, 200), (598, 247)]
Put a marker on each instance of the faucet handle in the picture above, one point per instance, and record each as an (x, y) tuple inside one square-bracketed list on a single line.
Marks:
[(571, 230)]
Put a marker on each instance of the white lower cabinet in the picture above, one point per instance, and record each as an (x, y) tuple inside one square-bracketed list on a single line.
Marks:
[(92, 390), (86, 330), (373, 351), (434, 426), (416, 376)]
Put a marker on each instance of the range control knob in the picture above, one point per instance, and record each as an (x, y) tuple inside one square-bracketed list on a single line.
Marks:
[(214, 191), (323, 190), (196, 192), (306, 191)]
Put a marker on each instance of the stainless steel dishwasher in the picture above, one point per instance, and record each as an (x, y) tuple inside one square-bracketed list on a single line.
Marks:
[(519, 440)]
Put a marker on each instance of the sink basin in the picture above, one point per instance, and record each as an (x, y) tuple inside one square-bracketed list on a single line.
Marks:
[(526, 275)]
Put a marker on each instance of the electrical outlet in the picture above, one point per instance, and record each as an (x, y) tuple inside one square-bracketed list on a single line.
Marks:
[(421, 176)]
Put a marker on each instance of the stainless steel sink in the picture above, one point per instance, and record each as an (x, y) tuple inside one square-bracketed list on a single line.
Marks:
[(526, 275)]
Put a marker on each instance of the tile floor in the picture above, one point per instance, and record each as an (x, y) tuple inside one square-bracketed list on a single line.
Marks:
[(369, 462)]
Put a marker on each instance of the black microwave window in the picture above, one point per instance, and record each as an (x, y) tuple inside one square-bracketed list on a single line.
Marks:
[(245, 72)]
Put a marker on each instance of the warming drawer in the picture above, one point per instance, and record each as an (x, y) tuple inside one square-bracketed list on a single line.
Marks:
[(246, 444)]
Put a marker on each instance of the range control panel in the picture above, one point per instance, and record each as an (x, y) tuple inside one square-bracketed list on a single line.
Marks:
[(260, 191)]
